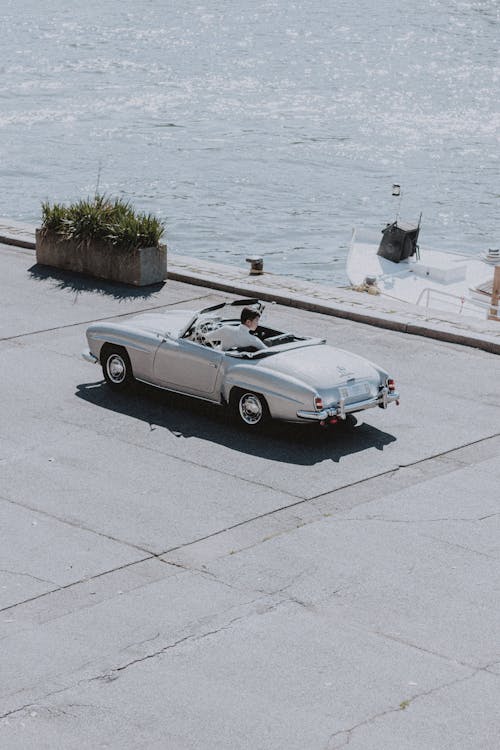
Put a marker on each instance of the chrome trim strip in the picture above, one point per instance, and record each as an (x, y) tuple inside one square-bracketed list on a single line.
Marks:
[(181, 393)]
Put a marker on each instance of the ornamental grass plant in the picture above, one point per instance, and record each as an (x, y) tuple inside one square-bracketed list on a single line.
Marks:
[(111, 221)]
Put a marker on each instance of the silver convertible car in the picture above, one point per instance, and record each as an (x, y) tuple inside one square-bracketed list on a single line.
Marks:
[(294, 378)]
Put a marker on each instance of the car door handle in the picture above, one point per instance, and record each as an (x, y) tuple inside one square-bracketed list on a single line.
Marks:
[(213, 364)]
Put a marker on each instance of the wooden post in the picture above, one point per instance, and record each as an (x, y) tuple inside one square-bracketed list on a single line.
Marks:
[(495, 295)]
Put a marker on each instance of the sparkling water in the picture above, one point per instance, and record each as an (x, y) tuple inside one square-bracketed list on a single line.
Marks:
[(258, 126)]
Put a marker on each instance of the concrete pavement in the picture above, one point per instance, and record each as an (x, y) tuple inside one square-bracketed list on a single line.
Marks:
[(168, 581)]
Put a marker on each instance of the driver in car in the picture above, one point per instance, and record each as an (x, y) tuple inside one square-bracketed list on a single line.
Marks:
[(241, 336)]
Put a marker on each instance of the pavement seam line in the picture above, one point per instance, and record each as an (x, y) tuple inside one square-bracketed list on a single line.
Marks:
[(75, 525), (80, 581), (314, 498), (158, 556), (27, 575), (99, 320), (412, 464)]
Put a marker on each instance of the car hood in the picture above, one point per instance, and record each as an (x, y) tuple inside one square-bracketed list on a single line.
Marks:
[(171, 322), (321, 366)]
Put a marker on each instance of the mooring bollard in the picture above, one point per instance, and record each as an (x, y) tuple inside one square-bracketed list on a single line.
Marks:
[(256, 265)]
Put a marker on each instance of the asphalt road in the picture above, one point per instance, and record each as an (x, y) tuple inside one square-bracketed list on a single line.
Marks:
[(170, 582)]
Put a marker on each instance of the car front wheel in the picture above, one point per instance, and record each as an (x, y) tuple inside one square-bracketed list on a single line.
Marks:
[(250, 408), (116, 367)]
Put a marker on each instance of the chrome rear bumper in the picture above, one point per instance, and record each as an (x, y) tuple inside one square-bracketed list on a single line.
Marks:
[(341, 409)]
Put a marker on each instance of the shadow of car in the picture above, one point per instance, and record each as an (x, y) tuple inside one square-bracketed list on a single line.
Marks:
[(288, 443)]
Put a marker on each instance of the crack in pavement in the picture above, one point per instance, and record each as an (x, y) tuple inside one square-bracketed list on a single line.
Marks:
[(345, 735), (60, 711), (485, 518), (140, 643), (98, 320), (194, 638), (460, 546), (489, 667), (170, 646), (204, 571), (296, 577), (413, 521), (113, 674)]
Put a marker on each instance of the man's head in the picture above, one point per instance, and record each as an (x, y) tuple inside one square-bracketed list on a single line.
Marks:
[(250, 318)]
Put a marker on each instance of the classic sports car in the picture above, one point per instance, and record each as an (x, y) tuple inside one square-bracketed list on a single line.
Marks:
[(295, 378)]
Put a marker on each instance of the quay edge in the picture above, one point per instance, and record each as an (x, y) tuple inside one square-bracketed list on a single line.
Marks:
[(291, 292)]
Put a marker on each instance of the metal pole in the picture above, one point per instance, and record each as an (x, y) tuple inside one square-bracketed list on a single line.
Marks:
[(397, 193), (495, 295)]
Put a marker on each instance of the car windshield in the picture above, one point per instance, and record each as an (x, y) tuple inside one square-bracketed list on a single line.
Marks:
[(206, 322)]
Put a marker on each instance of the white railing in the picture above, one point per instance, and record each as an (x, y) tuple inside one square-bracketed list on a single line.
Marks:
[(463, 302)]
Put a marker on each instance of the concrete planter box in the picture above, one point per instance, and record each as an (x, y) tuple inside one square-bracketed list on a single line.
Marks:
[(143, 266)]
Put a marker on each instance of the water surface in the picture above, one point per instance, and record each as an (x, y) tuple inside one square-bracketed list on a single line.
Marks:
[(264, 127)]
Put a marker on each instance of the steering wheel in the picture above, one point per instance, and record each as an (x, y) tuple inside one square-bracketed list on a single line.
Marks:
[(202, 328)]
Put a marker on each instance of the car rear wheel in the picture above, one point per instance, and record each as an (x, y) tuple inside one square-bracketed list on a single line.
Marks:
[(250, 408), (116, 367)]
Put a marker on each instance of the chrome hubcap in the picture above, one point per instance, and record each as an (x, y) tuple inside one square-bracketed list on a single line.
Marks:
[(250, 408), (116, 368)]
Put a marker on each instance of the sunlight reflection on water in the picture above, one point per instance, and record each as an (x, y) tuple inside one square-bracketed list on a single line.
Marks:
[(273, 128)]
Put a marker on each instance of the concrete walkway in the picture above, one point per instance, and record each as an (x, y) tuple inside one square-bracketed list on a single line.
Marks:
[(169, 581), (306, 295)]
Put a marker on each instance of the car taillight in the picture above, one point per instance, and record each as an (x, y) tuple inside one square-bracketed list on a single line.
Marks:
[(318, 403), (391, 384)]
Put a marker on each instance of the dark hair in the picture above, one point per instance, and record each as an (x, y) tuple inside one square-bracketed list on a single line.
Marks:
[(248, 314)]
